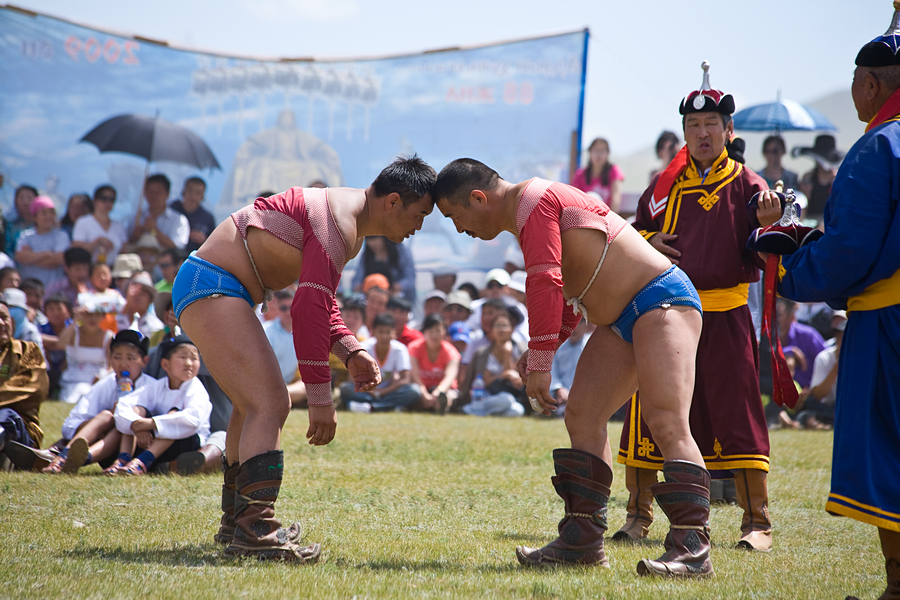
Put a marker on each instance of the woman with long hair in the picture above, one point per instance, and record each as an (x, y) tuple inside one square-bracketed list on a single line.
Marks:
[(601, 176), (435, 365)]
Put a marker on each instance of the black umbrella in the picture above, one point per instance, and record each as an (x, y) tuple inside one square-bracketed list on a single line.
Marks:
[(153, 139)]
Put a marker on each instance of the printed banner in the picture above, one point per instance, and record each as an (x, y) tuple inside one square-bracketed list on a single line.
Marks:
[(276, 124)]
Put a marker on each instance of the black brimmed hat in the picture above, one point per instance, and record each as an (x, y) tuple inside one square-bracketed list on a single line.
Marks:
[(707, 99)]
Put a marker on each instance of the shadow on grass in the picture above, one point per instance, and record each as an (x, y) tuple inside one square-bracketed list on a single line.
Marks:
[(442, 566), (181, 556)]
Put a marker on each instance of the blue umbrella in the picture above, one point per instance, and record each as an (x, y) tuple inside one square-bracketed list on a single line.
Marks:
[(781, 115)]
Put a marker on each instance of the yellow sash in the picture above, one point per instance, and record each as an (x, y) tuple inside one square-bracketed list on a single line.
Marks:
[(724, 299), (878, 295)]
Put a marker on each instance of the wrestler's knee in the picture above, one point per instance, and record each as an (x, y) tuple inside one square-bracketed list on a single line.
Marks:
[(274, 408)]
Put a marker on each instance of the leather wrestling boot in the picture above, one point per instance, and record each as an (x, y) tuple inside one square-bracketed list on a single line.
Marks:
[(226, 525), (640, 505), (753, 497), (257, 532), (684, 497), (893, 580), (582, 480)]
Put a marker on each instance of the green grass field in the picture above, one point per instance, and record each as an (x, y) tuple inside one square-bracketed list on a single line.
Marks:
[(408, 505)]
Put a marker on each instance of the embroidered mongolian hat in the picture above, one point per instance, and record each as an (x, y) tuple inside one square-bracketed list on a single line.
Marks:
[(707, 99), (883, 51)]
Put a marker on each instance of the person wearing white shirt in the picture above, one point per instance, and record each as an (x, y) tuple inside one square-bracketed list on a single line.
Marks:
[(97, 232), (166, 417), (396, 390), (279, 333), (562, 370), (170, 228), (818, 408)]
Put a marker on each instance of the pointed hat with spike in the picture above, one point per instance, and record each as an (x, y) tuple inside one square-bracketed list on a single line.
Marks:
[(883, 51), (707, 99)]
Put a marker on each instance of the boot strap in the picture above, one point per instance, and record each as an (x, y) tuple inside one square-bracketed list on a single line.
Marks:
[(697, 527), (598, 517)]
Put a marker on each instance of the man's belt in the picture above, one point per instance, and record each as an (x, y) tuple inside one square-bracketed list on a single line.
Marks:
[(724, 299), (878, 295)]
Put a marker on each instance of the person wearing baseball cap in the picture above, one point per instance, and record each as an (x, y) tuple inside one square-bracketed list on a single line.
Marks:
[(854, 267)]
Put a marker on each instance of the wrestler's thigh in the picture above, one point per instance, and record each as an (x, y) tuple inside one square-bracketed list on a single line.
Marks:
[(605, 379), (665, 351), (234, 347)]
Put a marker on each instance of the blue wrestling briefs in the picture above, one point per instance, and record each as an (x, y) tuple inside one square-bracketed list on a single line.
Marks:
[(199, 279), (672, 288)]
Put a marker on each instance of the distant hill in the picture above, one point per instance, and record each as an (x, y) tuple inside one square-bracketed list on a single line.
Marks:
[(837, 107)]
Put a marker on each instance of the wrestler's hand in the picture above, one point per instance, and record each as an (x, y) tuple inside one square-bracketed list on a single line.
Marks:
[(322, 424), (522, 366), (364, 371), (539, 387), (660, 242), (769, 209)]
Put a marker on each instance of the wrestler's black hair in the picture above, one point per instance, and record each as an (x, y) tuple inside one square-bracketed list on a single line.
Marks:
[(408, 176), (384, 320), (457, 180)]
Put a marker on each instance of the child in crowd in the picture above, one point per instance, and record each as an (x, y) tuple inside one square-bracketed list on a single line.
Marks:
[(9, 278), (101, 282), (166, 417), (91, 426), (59, 317), (34, 297), (87, 347), (396, 389), (435, 364)]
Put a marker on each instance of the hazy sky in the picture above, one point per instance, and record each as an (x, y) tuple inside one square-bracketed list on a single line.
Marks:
[(644, 55)]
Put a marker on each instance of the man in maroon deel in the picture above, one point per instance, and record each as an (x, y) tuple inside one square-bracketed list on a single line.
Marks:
[(695, 214)]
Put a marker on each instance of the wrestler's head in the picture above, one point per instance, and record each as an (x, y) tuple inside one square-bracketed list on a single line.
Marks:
[(403, 192), (465, 192)]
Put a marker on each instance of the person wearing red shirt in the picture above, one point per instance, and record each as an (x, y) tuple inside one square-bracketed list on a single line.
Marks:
[(308, 234), (399, 308), (435, 365), (648, 317)]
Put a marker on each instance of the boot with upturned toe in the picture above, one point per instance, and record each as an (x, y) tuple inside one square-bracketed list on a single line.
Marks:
[(753, 497), (582, 480), (257, 532), (684, 497)]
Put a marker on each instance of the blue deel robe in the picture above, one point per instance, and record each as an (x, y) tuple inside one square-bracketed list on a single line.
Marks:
[(861, 247)]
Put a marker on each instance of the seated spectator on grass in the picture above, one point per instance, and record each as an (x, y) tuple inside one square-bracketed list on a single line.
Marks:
[(393, 260), (167, 417), (200, 221), (376, 304), (497, 287), (77, 269), (457, 307), (170, 260), (34, 297), (10, 278), (400, 308), (124, 268), (280, 336), (444, 280), (97, 232), (817, 411), (481, 337), (434, 365), (39, 251), (470, 289), (136, 313), (78, 206), (495, 363), (87, 349), (101, 284), (353, 312), (434, 302), (804, 337), (562, 370), (59, 317), (25, 330), (458, 334), (396, 390), (23, 387), (24, 196), (89, 432)]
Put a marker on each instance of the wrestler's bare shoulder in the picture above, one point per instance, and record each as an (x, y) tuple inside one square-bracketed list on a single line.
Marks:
[(345, 205)]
